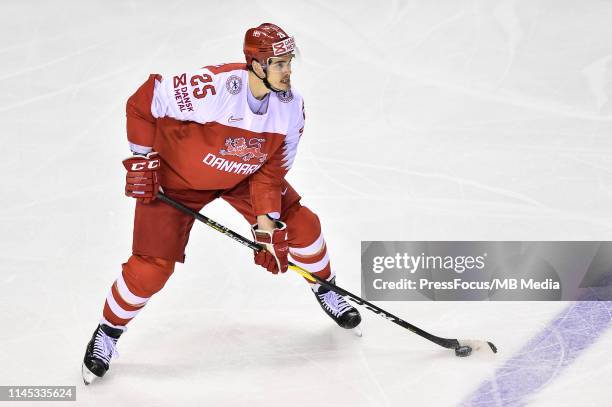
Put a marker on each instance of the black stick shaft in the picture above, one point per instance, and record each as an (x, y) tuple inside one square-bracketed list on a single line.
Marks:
[(444, 342)]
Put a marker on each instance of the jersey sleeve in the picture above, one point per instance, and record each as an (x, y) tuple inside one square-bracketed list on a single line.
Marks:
[(184, 97), (265, 184), (140, 120)]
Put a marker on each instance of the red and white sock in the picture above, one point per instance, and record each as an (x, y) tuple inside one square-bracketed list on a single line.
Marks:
[(121, 304), (313, 258), (140, 279)]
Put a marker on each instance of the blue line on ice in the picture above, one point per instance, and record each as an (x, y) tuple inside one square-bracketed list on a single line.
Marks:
[(542, 359)]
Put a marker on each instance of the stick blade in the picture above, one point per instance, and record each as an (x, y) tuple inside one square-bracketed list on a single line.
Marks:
[(481, 346)]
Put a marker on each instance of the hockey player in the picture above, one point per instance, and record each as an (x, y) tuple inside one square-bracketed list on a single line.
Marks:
[(226, 131)]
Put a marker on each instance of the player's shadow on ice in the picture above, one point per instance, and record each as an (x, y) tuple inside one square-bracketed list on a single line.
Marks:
[(229, 350)]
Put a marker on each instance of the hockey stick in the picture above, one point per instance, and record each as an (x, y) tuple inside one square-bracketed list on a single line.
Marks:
[(462, 347)]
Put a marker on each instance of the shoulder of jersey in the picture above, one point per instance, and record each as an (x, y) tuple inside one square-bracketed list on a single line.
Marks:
[(230, 79), (291, 102)]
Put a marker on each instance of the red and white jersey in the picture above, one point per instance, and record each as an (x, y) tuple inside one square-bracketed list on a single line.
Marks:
[(208, 137)]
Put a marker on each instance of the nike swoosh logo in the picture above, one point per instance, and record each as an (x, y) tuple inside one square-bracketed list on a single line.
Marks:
[(285, 191), (233, 119)]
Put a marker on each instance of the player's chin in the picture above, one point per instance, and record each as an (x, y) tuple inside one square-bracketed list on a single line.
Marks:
[(284, 85)]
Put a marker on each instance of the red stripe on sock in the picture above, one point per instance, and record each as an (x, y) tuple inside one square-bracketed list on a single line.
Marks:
[(313, 258), (112, 318), (122, 303)]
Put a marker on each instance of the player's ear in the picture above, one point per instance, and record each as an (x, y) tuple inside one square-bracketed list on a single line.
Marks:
[(258, 68)]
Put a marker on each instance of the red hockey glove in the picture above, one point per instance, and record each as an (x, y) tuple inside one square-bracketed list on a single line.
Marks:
[(274, 258), (142, 179)]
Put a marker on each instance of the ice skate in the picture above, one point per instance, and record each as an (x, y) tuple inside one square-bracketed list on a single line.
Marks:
[(100, 350), (338, 309)]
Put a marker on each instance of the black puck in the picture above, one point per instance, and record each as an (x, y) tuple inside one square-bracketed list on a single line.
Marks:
[(463, 351)]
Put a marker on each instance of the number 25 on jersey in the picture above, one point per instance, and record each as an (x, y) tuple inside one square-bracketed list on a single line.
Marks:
[(203, 79)]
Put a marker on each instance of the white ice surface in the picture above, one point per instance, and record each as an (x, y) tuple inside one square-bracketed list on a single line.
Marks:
[(459, 120)]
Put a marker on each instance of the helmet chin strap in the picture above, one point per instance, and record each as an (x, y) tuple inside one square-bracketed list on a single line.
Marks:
[(265, 80)]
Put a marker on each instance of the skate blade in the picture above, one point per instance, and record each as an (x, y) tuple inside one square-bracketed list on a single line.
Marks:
[(357, 331), (88, 376)]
